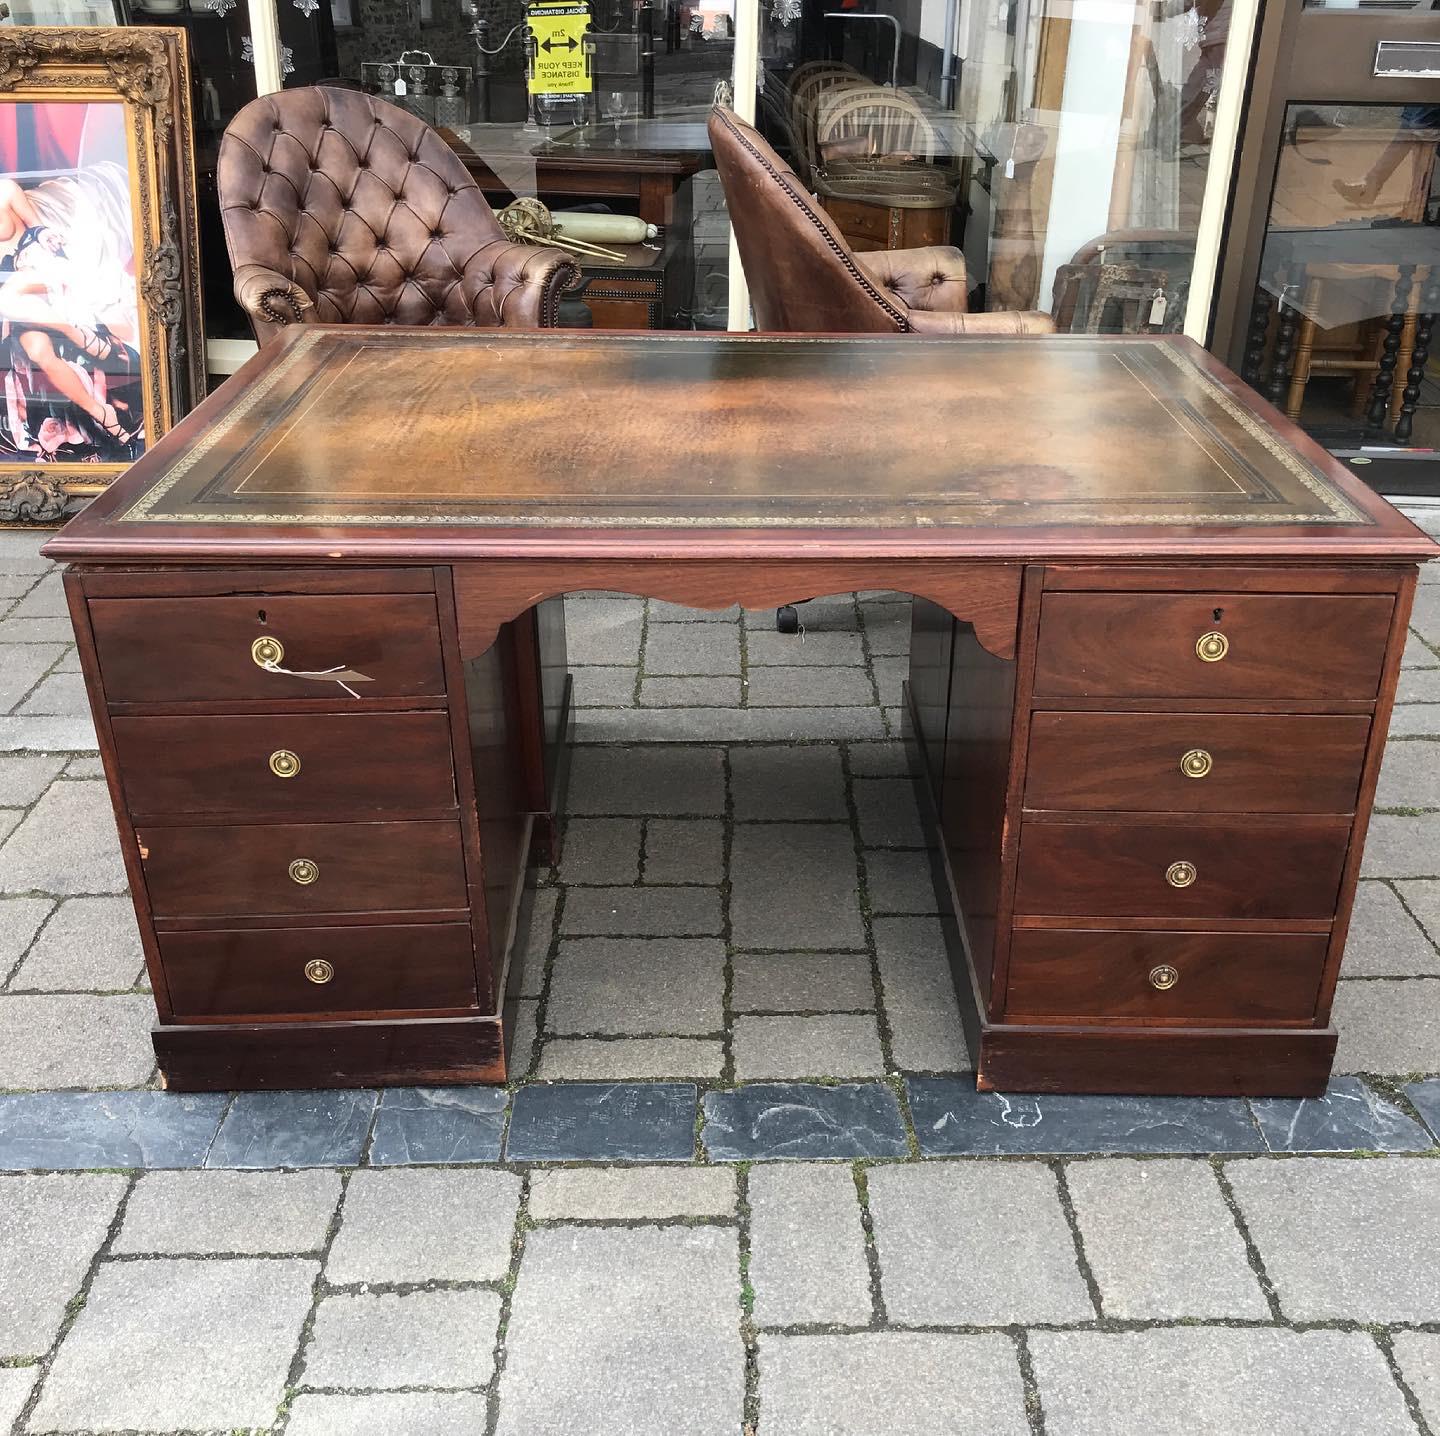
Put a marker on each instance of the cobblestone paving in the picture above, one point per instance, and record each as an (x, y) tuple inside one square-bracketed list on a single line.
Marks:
[(736, 964)]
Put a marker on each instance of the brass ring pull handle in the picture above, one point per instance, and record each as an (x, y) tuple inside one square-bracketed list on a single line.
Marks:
[(284, 763), (1197, 763), (304, 871), (267, 652), (317, 970), (1180, 875), (1211, 647), (1164, 977)]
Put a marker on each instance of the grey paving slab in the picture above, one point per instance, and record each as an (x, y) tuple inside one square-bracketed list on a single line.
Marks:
[(801, 982), (418, 1224), (59, 694), (889, 759), (1415, 720), (241, 1322), (523, 1032), (44, 630), (793, 886), (16, 1383), (67, 844), (24, 776), (684, 850), (407, 1413), (534, 946), (1419, 685), (630, 1193), (22, 666), (1425, 615), (607, 687), (9, 821), (816, 648), (89, 944), (1161, 1242), (953, 1119), (938, 1265), (1340, 1238), (50, 1229), (1350, 1117), (294, 1129), (776, 1121), (1426, 1097), (788, 783), (646, 781), (20, 920), (1384, 940), (671, 985), (899, 881), (889, 815), (249, 1213), (604, 630), (702, 650), (1409, 775), (69, 1130), (74, 1040), (442, 1124), (610, 1059), (829, 1045), (926, 1035), (1388, 1025), (1402, 847), (807, 1247), (663, 612), (918, 1383), (601, 850), (661, 726), (603, 1122), (890, 676), (383, 1340), (1423, 899), (46, 599), (887, 628), (632, 1331), (1417, 1354), (50, 735), (810, 686), (642, 912), (690, 692), (1183, 1380)]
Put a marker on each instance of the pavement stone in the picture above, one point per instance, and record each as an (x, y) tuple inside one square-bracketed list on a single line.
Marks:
[(604, 630), (620, 986), (45, 599), (899, 881), (1402, 847), (1161, 1242), (601, 850), (408, 1413), (660, 726), (766, 649), (523, 1033), (294, 1129), (832, 1045), (776, 1121), (1416, 720), (889, 814), (85, 767), (70, 1130), (911, 1382), (22, 666), (1344, 1238), (891, 675), (61, 694), (16, 1384), (1409, 775), (55, 735), (603, 1122), (632, 1331), (121, 1368), (939, 1265), (596, 1059), (16, 628), (1178, 1381), (630, 1193), (642, 912), (793, 886), (20, 920), (713, 649), (1426, 1097), (533, 949), (444, 1124), (1388, 1025), (50, 1229), (1425, 615), (663, 612), (24, 776), (1423, 899), (788, 783), (75, 1040), (246, 1213), (422, 1224), (382, 1341), (1384, 940), (879, 760), (810, 687), (67, 844), (801, 982), (807, 1247), (1417, 1354), (9, 821), (690, 692), (919, 995), (602, 687), (646, 781), (90, 944), (1350, 1117), (684, 850)]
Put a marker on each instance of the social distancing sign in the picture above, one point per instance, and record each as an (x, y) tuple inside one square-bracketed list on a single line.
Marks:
[(559, 66)]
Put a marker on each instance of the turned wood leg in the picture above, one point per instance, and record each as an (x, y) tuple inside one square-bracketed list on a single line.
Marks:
[(1304, 347), (1254, 358), (1415, 375), (1278, 382), (1402, 362), (1390, 355)]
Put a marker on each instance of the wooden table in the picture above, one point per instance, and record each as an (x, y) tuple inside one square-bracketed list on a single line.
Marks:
[(1156, 638)]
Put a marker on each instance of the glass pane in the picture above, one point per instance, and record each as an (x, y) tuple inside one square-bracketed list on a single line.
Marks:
[(596, 107), (1062, 144), (1348, 284)]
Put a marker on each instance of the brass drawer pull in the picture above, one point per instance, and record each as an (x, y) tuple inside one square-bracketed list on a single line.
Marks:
[(267, 651), (317, 970), (1180, 875), (1211, 647), (1164, 977), (304, 871), (1197, 763), (284, 763)]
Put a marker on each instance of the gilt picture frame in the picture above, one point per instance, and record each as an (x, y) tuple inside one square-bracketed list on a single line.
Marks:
[(101, 330)]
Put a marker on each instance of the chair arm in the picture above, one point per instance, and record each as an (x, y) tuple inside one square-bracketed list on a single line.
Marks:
[(932, 278), (271, 300), (1008, 321), (520, 285)]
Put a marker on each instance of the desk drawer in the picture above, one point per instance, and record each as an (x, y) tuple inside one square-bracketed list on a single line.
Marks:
[(1195, 762), (317, 765), (303, 868), (175, 650), (276, 972), (1182, 870), (1232, 978), (1260, 645)]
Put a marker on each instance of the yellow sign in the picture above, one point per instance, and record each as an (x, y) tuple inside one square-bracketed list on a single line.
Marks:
[(559, 66)]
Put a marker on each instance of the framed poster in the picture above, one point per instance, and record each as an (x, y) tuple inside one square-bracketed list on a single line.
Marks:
[(101, 334)]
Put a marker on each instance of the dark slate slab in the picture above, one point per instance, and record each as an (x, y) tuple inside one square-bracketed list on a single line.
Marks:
[(951, 1118), (439, 1124), (603, 1122), (1350, 1117), (1426, 1097), (66, 1130), (765, 1121), (294, 1129)]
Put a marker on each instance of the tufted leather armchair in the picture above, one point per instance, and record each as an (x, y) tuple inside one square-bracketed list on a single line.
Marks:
[(342, 209), (804, 278)]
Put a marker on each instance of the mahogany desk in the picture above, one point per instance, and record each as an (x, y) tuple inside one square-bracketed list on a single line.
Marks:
[(1156, 639)]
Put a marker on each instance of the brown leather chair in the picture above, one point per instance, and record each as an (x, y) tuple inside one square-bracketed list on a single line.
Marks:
[(342, 209), (805, 279)]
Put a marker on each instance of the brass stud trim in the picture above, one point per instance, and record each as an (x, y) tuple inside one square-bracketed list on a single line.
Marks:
[(284, 763), (266, 651), (304, 871), (317, 970), (1164, 977), (1180, 875), (1197, 763), (1211, 647)]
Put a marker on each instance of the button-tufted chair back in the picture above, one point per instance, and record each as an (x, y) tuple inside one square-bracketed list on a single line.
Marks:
[(368, 217)]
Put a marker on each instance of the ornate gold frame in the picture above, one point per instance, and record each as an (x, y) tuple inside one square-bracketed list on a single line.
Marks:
[(147, 70)]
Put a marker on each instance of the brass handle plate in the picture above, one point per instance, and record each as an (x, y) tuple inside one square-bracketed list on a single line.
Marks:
[(284, 763), (1211, 647), (1163, 977), (317, 970), (1197, 763), (304, 871), (1180, 875), (266, 651)]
